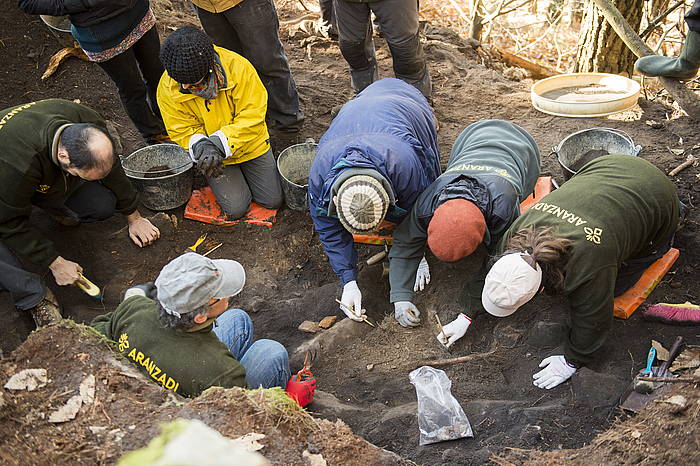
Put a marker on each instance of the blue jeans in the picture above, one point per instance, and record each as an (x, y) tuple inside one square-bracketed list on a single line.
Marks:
[(266, 361)]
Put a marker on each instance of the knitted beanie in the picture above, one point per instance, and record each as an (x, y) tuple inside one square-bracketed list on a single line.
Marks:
[(188, 55), (456, 230), (362, 203)]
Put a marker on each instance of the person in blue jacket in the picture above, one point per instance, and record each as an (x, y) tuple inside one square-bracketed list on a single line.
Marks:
[(379, 153)]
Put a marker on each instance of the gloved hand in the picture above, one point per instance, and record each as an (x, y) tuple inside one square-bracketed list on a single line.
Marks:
[(406, 313), (352, 301), (422, 275), (556, 372), (208, 157), (146, 289), (454, 330)]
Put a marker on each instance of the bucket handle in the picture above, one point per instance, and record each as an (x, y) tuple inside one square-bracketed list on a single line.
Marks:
[(636, 147)]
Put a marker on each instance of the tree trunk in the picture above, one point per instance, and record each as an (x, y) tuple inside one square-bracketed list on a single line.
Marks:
[(600, 49), (475, 20)]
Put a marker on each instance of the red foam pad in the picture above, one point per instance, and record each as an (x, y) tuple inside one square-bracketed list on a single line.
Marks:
[(203, 207)]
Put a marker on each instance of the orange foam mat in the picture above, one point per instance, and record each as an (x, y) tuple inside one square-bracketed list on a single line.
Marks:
[(383, 234), (203, 207), (542, 188), (627, 303)]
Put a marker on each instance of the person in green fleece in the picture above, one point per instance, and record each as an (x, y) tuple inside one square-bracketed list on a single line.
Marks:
[(590, 240), (181, 332), (56, 155)]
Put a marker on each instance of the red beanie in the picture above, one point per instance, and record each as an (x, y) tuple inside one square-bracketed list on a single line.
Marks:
[(456, 230)]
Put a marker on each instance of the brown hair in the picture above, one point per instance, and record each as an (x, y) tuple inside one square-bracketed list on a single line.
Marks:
[(548, 250)]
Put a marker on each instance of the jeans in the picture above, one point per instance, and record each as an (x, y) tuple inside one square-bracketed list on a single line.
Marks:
[(251, 29), (136, 72), (255, 180), (398, 21), (26, 289), (266, 361)]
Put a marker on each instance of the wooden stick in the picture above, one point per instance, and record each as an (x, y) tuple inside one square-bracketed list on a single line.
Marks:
[(688, 162), (447, 362), (213, 249), (536, 71), (670, 379), (362, 316), (442, 330)]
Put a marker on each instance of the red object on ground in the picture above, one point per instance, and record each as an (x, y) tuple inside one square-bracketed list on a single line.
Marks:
[(628, 302), (302, 386), (203, 207), (677, 314)]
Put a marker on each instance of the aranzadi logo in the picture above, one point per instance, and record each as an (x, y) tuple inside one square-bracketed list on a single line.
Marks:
[(43, 188), (123, 342), (593, 234)]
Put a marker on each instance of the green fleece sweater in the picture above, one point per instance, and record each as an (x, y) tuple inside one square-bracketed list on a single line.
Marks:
[(28, 171), (616, 208), (185, 362)]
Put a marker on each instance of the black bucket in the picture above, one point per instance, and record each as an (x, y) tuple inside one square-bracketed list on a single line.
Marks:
[(579, 148), (162, 174), (294, 164)]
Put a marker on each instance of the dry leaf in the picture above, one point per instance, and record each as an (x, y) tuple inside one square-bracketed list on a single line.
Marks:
[(688, 359), (636, 434), (28, 379), (661, 352), (87, 389), (68, 411)]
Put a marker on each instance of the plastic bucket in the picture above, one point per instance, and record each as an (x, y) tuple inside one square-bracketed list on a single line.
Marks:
[(294, 164), (579, 148), (162, 174)]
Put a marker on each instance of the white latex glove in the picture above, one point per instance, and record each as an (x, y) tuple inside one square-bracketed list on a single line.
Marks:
[(422, 275), (352, 301), (454, 330), (556, 372), (406, 313)]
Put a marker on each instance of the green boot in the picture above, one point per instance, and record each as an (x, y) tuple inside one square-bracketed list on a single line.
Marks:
[(684, 67)]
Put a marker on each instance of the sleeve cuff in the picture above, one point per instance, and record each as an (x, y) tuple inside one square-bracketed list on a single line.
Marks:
[(224, 142), (193, 140)]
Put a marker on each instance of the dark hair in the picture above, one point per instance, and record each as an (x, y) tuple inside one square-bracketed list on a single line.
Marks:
[(184, 322), (77, 139), (548, 250)]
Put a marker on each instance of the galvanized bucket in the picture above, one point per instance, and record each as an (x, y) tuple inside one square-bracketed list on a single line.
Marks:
[(162, 174), (579, 148), (294, 165)]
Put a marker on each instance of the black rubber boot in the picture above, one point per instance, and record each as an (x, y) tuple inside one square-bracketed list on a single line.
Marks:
[(684, 67)]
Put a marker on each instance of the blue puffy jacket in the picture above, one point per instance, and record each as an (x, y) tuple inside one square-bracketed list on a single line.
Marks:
[(388, 127)]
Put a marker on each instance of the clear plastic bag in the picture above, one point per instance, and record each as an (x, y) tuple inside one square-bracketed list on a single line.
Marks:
[(440, 417)]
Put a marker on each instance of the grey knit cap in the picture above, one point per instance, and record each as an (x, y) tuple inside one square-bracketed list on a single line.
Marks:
[(188, 55)]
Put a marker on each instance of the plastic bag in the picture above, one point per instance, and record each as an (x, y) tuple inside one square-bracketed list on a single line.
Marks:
[(440, 417)]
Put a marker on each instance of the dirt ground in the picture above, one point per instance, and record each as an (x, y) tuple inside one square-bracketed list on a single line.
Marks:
[(289, 279)]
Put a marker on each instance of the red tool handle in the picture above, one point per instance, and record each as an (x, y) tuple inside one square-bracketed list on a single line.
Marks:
[(301, 391)]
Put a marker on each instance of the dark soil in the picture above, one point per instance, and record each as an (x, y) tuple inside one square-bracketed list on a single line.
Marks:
[(289, 279)]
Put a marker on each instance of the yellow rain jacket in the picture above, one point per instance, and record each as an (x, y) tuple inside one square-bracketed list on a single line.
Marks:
[(238, 111)]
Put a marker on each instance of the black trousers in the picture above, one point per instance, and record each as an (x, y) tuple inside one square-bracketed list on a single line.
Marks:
[(136, 73), (91, 202), (693, 17)]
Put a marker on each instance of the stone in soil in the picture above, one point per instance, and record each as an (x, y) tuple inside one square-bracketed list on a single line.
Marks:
[(327, 322), (595, 389), (309, 327)]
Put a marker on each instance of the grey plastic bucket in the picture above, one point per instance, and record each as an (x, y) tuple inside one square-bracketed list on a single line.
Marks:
[(294, 164), (161, 189), (571, 151)]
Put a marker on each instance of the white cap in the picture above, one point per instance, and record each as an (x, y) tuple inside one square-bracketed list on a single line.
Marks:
[(362, 203), (510, 283)]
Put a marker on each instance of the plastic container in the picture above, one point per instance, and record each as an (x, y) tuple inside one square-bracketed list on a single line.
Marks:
[(579, 148), (162, 174), (294, 164), (584, 95)]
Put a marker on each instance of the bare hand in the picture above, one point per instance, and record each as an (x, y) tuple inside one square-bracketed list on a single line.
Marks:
[(64, 271), (142, 232)]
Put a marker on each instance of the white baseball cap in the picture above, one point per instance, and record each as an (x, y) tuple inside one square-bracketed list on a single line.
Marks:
[(510, 283)]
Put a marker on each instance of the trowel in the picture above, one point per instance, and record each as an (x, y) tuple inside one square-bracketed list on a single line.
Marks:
[(640, 392)]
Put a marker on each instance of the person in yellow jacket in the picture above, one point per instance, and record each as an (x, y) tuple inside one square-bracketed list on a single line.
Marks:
[(213, 104)]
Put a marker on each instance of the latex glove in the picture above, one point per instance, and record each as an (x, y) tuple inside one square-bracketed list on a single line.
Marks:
[(557, 370), (146, 289), (64, 271), (406, 313), (422, 275), (208, 157), (141, 231), (454, 330), (352, 301)]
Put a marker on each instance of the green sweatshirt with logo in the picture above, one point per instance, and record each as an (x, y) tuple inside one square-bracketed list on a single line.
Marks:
[(28, 142), (185, 362), (616, 208)]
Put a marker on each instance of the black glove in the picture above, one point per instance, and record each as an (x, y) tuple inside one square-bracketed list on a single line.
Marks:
[(208, 157)]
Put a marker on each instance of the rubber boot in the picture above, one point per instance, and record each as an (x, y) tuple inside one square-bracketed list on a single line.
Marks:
[(47, 311), (684, 67), (360, 79)]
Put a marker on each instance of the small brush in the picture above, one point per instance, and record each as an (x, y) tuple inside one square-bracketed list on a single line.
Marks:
[(89, 288)]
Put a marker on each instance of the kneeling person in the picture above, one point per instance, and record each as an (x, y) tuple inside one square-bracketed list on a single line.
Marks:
[(167, 330)]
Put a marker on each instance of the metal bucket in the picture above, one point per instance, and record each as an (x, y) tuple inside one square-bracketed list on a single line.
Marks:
[(579, 148), (58, 23), (294, 164), (162, 174)]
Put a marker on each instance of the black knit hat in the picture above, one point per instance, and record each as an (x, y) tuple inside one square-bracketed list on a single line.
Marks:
[(187, 55)]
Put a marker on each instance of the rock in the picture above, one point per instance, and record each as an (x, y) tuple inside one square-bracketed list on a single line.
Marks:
[(314, 459), (370, 367), (28, 379), (546, 334), (327, 403), (596, 390), (309, 327), (340, 334), (327, 322), (409, 410), (67, 411)]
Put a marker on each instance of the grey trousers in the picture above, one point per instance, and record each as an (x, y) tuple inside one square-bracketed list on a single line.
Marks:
[(693, 17), (251, 29), (26, 289), (398, 21), (255, 180)]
